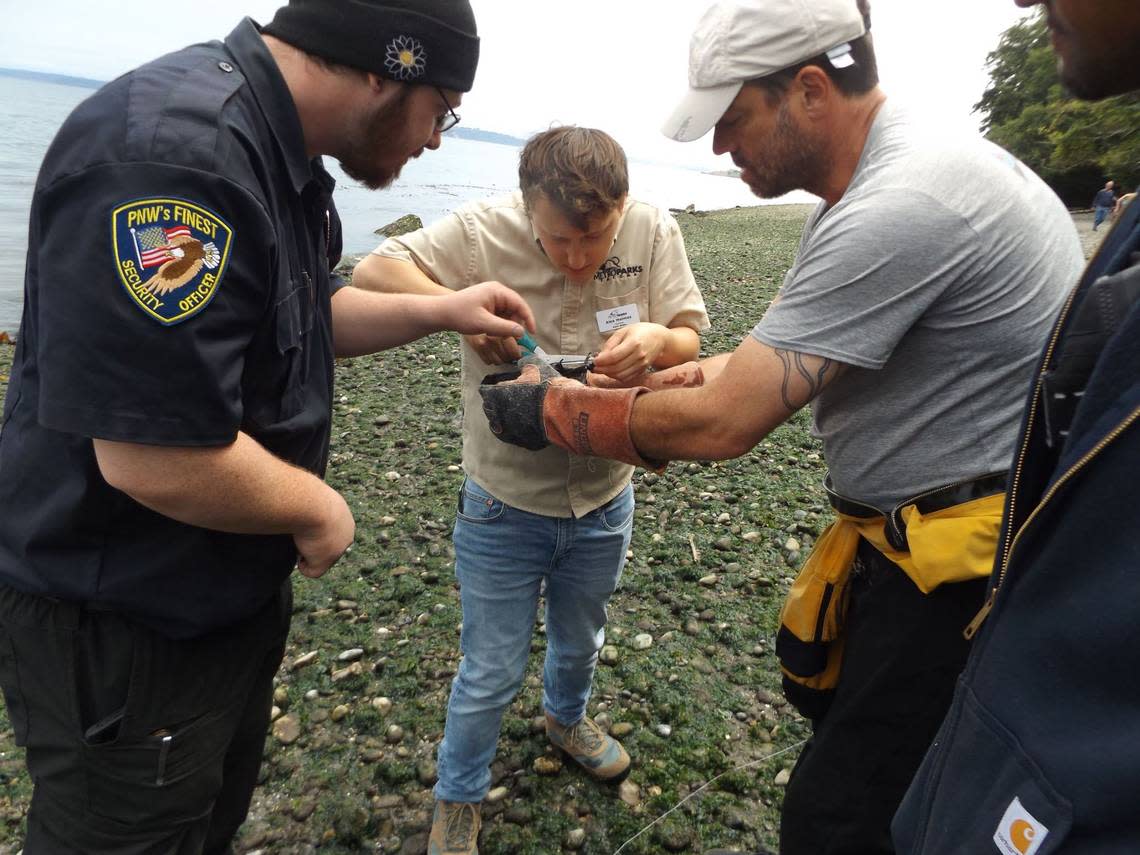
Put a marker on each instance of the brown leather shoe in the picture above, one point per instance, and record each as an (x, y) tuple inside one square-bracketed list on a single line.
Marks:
[(590, 747), (455, 829)]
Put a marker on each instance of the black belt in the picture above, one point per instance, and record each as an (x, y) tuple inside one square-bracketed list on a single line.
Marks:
[(926, 502)]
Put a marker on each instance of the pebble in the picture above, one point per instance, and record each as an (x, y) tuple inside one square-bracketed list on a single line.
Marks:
[(575, 838), (312, 695), (353, 670), (305, 659), (287, 729), (608, 655), (453, 468), (393, 734), (750, 536), (340, 711), (350, 655), (629, 793), (792, 545), (426, 773), (723, 544), (782, 777), (496, 794), (692, 627), (710, 580), (664, 730), (303, 809), (724, 518), (622, 728), (382, 705), (642, 641), (387, 520), (392, 475), (281, 696), (518, 815), (547, 765)]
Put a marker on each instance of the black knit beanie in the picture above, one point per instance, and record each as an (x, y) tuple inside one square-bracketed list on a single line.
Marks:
[(413, 41)]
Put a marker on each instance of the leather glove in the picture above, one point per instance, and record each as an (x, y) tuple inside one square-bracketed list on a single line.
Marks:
[(540, 407), (683, 376)]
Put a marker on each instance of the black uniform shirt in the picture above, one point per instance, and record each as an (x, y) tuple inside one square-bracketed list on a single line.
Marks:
[(177, 292)]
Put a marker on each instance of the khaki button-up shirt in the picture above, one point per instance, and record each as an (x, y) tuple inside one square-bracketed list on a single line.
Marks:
[(647, 269)]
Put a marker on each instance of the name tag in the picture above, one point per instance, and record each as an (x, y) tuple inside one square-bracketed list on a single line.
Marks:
[(616, 318)]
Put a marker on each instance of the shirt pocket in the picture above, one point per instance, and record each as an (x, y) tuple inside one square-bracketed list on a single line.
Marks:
[(607, 306), (293, 319)]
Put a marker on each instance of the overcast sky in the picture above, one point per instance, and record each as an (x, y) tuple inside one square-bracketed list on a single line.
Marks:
[(615, 64)]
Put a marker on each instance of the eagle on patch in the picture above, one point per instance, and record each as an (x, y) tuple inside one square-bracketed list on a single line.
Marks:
[(186, 256), (171, 255)]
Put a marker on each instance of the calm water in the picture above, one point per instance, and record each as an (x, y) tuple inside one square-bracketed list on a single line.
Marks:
[(433, 185)]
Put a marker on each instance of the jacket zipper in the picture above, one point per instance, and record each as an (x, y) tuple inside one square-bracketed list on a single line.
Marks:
[(972, 628), (977, 622)]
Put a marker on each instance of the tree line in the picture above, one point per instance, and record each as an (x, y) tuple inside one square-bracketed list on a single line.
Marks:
[(1074, 145)]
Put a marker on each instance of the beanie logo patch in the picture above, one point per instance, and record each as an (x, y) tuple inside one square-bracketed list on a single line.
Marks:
[(405, 58)]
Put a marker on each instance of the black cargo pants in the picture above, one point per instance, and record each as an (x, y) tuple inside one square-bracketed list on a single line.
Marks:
[(902, 656), (137, 744)]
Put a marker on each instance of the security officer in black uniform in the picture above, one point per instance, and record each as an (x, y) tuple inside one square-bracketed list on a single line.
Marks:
[(168, 416)]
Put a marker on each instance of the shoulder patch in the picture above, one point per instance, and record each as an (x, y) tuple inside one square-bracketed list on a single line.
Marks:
[(171, 255)]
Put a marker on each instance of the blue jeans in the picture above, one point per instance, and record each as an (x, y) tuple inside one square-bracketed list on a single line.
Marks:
[(502, 556), (1099, 216)]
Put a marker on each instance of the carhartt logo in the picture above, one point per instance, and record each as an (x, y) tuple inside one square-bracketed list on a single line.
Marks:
[(1019, 832)]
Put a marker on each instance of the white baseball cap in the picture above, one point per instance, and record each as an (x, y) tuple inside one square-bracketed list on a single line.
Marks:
[(736, 42)]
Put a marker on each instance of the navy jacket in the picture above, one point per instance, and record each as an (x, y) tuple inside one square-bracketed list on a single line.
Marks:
[(1040, 752)]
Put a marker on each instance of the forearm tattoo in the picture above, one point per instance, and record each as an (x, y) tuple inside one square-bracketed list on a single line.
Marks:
[(813, 372)]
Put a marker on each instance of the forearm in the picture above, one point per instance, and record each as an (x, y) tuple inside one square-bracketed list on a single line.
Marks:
[(687, 424), (394, 276), (240, 488), (682, 344), (365, 322), (745, 397)]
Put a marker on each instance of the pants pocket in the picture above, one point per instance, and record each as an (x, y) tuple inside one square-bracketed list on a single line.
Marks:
[(10, 683), (166, 776)]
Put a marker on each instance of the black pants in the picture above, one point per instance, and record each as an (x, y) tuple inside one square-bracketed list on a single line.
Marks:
[(903, 653), (136, 744)]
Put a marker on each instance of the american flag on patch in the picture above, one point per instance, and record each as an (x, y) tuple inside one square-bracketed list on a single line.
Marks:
[(152, 245)]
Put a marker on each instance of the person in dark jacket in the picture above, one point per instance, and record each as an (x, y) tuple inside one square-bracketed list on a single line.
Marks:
[(167, 422), (1103, 204), (1038, 753)]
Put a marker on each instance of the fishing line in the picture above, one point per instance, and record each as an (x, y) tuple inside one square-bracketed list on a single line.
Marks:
[(705, 786)]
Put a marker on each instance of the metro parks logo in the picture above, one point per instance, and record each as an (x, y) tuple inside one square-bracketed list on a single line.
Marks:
[(1019, 832), (171, 255)]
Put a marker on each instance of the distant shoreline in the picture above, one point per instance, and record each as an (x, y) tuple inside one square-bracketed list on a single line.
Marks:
[(48, 77)]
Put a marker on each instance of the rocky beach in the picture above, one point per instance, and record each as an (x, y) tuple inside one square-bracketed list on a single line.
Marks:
[(688, 678)]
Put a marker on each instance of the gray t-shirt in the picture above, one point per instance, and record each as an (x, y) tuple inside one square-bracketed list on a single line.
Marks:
[(936, 278)]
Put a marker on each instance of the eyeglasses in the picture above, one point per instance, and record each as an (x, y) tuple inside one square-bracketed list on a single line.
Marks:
[(448, 120)]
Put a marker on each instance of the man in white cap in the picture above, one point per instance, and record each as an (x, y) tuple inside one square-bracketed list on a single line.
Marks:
[(924, 283)]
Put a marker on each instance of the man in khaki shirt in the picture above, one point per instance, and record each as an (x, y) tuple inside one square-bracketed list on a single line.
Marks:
[(603, 274)]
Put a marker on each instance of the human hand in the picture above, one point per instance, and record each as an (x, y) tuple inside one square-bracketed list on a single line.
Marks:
[(489, 308), (322, 545), (630, 351), (495, 350)]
